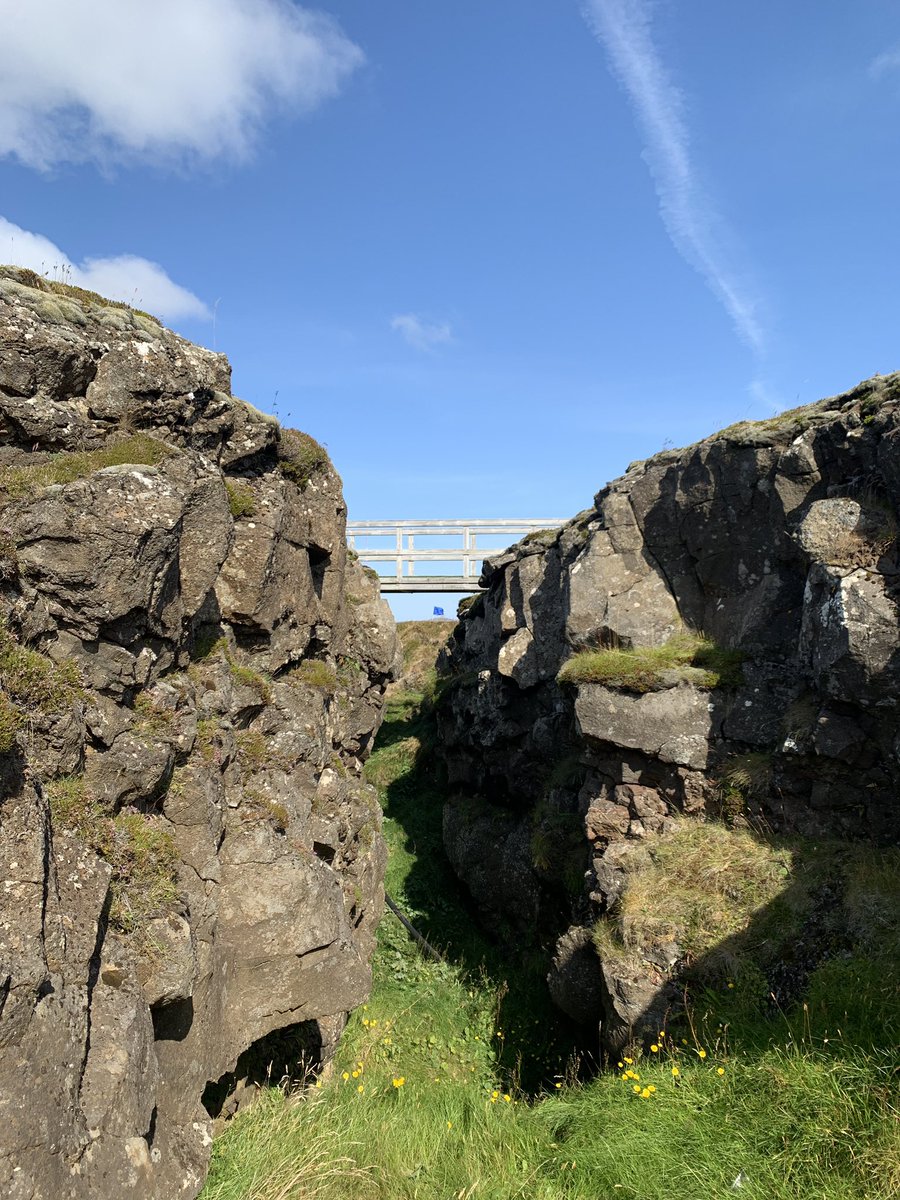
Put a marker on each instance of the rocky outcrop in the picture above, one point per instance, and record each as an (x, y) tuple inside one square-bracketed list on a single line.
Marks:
[(750, 586), (191, 673)]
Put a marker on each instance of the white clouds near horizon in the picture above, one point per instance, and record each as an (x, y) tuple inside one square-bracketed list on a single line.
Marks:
[(127, 277), (119, 80), (421, 334), (623, 27)]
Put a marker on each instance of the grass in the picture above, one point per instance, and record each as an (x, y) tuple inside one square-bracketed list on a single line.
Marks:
[(314, 673), (31, 682), (241, 500), (18, 482), (300, 457), (688, 657), (71, 291), (444, 1088), (137, 846)]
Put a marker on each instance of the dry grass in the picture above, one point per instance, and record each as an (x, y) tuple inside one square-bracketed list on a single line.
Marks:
[(694, 887)]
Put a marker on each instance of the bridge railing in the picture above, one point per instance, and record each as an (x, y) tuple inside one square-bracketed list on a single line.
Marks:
[(403, 554)]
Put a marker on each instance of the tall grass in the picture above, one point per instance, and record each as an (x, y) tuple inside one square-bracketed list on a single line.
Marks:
[(425, 1100)]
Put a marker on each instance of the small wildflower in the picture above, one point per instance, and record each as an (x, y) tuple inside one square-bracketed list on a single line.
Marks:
[(557, 1085), (720, 1071), (360, 1088), (654, 1049), (730, 984), (365, 1020), (629, 1061), (399, 1081), (662, 1034), (636, 1090), (626, 1075), (675, 1072), (507, 1098), (345, 1075), (620, 1065), (356, 1074), (645, 1094), (651, 1088), (684, 1041), (318, 1083), (449, 1124), (701, 1054)]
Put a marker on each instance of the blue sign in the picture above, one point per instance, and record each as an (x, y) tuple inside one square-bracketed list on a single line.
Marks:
[(438, 612)]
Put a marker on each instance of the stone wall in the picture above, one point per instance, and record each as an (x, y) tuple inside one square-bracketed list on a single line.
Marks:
[(192, 671), (775, 540)]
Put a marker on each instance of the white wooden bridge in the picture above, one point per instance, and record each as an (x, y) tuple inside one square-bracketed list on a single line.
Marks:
[(401, 549)]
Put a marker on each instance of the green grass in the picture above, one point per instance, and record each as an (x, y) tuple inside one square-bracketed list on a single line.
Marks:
[(686, 656), (300, 457), (30, 682), (241, 500), (137, 846), (71, 291), (803, 1105), (18, 482)]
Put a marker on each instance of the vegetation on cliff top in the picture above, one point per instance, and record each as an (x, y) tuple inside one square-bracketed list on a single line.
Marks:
[(684, 657), (139, 450), (427, 1099)]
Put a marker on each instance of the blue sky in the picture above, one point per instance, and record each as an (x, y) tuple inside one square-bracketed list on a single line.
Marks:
[(488, 253)]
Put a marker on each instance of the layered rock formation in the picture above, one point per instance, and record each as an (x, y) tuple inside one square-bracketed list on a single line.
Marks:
[(191, 673), (777, 542)]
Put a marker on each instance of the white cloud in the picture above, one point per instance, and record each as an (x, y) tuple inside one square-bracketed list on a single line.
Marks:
[(696, 230), (137, 281), (123, 79), (888, 61), (422, 334)]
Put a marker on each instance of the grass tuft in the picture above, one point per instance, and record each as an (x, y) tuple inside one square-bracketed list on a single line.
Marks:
[(300, 457), (18, 482), (686, 656)]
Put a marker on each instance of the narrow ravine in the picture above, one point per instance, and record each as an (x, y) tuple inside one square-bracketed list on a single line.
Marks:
[(459, 1079)]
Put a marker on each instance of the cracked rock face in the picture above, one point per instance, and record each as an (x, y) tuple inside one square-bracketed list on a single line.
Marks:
[(191, 676), (776, 539)]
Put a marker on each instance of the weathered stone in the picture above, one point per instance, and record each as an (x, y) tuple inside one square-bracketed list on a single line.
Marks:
[(184, 624)]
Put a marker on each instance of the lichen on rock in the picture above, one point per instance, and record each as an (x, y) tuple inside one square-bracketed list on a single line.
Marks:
[(193, 861)]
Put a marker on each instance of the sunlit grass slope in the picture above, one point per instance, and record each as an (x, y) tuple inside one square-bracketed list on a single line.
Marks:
[(424, 1102)]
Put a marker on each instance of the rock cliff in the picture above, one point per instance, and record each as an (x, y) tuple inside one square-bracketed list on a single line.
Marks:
[(191, 673), (717, 635)]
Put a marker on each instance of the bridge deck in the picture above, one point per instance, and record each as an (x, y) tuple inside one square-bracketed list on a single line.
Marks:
[(404, 555)]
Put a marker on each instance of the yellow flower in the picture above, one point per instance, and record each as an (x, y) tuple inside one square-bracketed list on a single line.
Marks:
[(495, 1095), (360, 1088), (636, 1090), (626, 1075), (645, 1094), (493, 1099), (629, 1061), (620, 1065), (654, 1049), (662, 1033), (675, 1072), (345, 1076), (365, 1020), (701, 1054), (558, 1085), (730, 984), (720, 1071), (449, 1124), (651, 1088), (356, 1074), (507, 1098), (399, 1081)]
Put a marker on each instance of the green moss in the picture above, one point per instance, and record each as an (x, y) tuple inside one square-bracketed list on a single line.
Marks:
[(300, 457), (312, 672), (139, 450), (136, 845), (690, 657), (250, 678), (83, 296), (241, 500), (34, 681), (256, 806)]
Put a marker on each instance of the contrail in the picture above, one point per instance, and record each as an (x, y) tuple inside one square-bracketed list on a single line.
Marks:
[(697, 232)]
